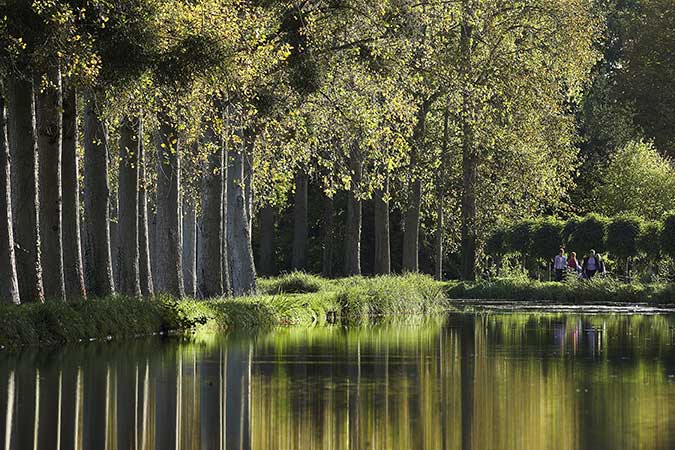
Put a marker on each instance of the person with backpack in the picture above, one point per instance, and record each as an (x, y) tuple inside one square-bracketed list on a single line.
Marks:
[(592, 265)]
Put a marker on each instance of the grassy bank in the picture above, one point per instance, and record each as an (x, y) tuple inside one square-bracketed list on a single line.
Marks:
[(295, 299), (572, 291)]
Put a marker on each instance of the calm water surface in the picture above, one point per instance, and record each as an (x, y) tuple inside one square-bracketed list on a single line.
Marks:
[(484, 381)]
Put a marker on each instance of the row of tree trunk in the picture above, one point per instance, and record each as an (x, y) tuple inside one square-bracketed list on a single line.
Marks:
[(40, 240)]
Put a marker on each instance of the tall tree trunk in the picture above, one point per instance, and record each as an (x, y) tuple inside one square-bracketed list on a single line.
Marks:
[(49, 107), (114, 222), (73, 273), (328, 236), (248, 176), (411, 234), (211, 223), (97, 256), (352, 263), (127, 228), (300, 226), (189, 248), (238, 232), (469, 154), (438, 245), (152, 238), (169, 254), (25, 203), (382, 264), (9, 284), (266, 246), (144, 260), (440, 190)]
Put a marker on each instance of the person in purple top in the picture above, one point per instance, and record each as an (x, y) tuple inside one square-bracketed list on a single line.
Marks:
[(592, 265)]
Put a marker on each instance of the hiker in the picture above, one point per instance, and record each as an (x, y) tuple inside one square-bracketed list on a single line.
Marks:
[(592, 264), (573, 264), (560, 265)]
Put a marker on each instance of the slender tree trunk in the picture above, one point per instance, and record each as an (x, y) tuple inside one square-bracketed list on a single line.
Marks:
[(189, 248), (353, 225), (469, 154), (382, 264), (238, 231), (127, 228), (438, 247), (328, 236), (169, 254), (97, 256), (300, 226), (25, 203), (73, 273), (114, 222), (440, 189), (248, 176), (266, 248), (144, 260), (49, 107), (411, 233), (9, 283), (211, 224), (152, 237)]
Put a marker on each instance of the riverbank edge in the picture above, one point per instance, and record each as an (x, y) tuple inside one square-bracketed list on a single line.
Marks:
[(355, 300)]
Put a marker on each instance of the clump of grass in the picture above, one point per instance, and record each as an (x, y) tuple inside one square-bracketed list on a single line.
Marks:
[(292, 283)]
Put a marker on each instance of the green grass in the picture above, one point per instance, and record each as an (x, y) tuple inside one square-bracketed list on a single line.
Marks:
[(349, 300), (572, 291)]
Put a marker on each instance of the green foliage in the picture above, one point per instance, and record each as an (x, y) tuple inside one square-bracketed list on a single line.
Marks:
[(546, 238), (623, 235), (668, 235), (589, 233), (520, 236), (292, 283), (649, 241), (497, 242), (636, 180)]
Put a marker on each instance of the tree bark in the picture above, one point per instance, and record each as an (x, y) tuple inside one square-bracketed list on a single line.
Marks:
[(438, 244), (189, 248), (328, 236), (469, 154), (25, 203), (382, 264), (73, 273), (352, 263), (127, 228), (49, 107), (238, 231), (266, 245), (440, 191), (300, 226), (169, 254), (97, 256), (411, 233), (144, 260), (211, 222), (9, 283)]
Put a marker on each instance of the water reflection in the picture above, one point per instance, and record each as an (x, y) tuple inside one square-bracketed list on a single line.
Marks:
[(471, 381)]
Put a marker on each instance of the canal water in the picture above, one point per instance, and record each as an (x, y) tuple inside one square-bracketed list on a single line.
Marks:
[(466, 381)]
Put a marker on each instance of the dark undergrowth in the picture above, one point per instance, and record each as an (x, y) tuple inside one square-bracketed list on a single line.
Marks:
[(348, 300)]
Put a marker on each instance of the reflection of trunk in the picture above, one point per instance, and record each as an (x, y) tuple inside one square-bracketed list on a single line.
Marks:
[(49, 106), (144, 260), (412, 214), (23, 147), (169, 257), (239, 248), (353, 225), (469, 154), (73, 273), (266, 247), (211, 222), (128, 272), (382, 250), (467, 351), (9, 284), (98, 265), (299, 260), (189, 248), (328, 236)]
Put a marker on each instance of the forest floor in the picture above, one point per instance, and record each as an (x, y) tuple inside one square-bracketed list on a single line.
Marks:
[(302, 299)]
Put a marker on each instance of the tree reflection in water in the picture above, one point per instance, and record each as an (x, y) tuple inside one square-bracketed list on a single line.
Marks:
[(509, 381)]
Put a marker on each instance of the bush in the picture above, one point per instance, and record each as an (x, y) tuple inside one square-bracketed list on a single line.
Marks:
[(649, 241), (622, 236), (668, 235), (292, 283), (546, 238), (496, 244), (589, 233), (519, 236)]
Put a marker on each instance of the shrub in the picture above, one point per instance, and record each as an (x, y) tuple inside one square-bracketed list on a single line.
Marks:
[(519, 236), (668, 235), (622, 236), (569, 229), (496, 244), (589, 233), (546, 238), (649, 241), (292, 283)]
